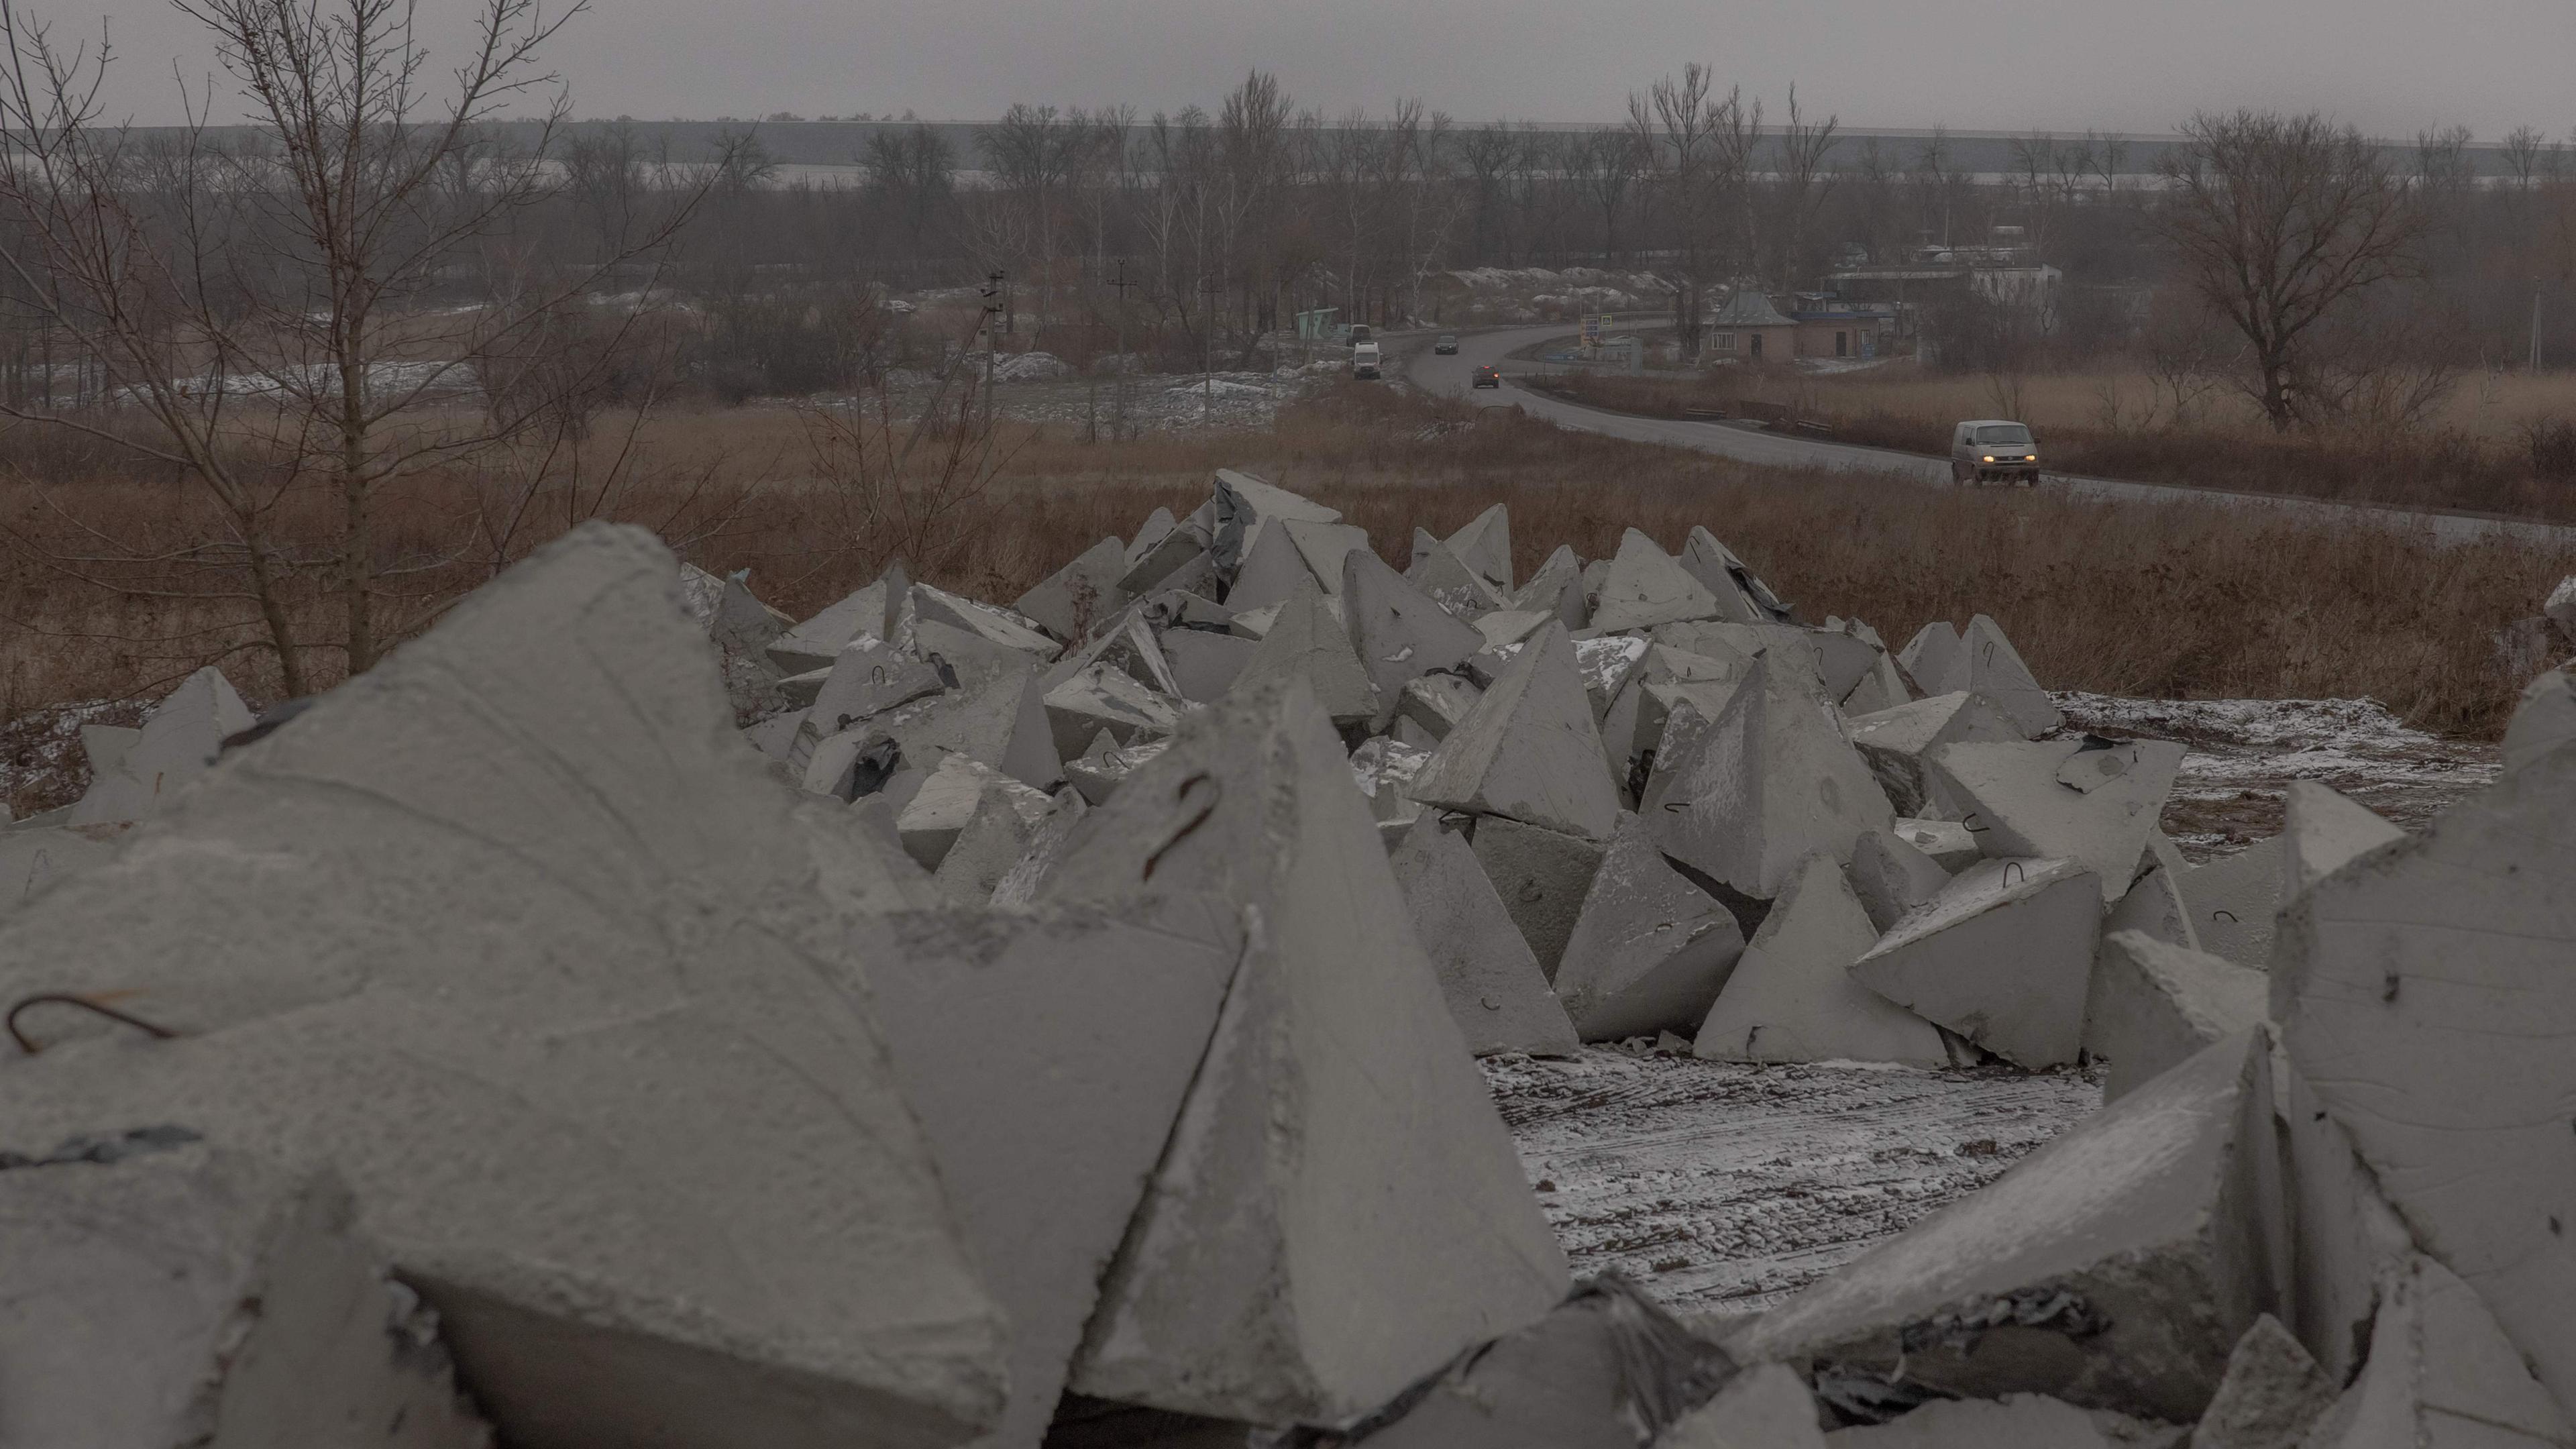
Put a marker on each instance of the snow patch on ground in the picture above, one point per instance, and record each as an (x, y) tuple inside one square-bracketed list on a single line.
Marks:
[(2243, 754), (1722, 1188)]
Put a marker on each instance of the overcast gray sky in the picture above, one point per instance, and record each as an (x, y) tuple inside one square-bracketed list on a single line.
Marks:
[(2390, 66)]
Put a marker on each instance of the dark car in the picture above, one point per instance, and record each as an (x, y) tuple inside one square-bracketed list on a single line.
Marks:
[(1488, 375), (1447, 346)]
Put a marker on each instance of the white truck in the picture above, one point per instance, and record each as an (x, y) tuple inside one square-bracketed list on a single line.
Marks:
[(1364, 361)]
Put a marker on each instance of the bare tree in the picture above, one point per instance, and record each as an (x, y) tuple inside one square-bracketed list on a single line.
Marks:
[(2277, 220), (268, 306), (1802, 183), (915, 170)]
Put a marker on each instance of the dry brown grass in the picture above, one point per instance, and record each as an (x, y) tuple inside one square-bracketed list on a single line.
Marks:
[(2430, 467), (2491, 407), (2181, 600)]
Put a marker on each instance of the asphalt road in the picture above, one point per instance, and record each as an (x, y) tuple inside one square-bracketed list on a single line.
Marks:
[(1450, 375)]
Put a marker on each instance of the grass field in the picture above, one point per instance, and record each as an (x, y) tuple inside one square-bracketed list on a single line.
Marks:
[(2100, 426), (109, 587)]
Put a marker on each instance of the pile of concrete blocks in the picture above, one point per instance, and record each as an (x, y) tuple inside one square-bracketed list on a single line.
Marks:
[(133, 773), (2327, 1202), (678, 1024)]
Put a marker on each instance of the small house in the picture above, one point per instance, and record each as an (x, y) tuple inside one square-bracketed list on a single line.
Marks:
[(1749, 329)]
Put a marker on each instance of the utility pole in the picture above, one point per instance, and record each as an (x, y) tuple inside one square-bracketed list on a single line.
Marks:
[(1118, 399), (1207, 352), (2535, 325), (993, 304)]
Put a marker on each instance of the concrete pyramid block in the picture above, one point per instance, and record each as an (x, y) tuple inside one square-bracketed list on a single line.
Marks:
[(1529, 750), (1485, 546), (1766, 1406), (2345, 1237), (1606, 665), (1994, 669), (1017, 890), (2440, 1373), (1506, 627), (1952, 846), (1384, 768), (2544, 720), (1129, 644), (1177, 560), (929, 824), (1000, 721), (1097, 777), (1543, 877), (1633, 721), (2015, 799), (2114, 1268), (1792, 997), (1557, 589), (1883, 686), (1071, 601), (998, 625), (959, 654), (2153, 1005), (1644, 587), (2002, 957), (2155, 906), (2271, 1393), (1305, 1286), (994, 839), (1891, 877), (1831, 662), (176, 745), (1607, 1370), (1308, 643), (1086, 1031), (1981, 661), (1104, 697), (816, 642), (1157, 526), (2325, 831), (1424, 540), (1446, 578), (1205, 664), (742, 623), (1895, 741), (869, 678), (1438, 702), (1270, 572), (2015, 1421), (1496, 993), (164, 1292), (1932, 658), (513, 932), (1324, 546), (2235, 899), (1649, 950), (1746, 795), (1241, 507), (2423, 991), (1398, 632), (1713, 563)]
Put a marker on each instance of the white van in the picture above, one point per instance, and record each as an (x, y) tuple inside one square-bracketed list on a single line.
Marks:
[(1993, 450)]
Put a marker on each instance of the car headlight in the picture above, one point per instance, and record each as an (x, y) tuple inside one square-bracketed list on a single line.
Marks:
[(1988, 458)]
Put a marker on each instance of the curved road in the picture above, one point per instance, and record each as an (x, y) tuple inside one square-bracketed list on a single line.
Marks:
[(1449, 376)]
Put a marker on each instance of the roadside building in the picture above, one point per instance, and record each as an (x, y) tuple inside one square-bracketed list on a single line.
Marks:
[(1749, 329)]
